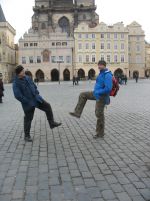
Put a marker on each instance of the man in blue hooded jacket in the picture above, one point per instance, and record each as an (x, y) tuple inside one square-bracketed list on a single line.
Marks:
[(101, 93), (26, 92)]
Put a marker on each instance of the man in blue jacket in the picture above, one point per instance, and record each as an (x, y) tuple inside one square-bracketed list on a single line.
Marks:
[(101, 93), (26, 92)]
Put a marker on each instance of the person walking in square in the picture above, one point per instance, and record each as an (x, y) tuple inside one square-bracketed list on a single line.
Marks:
[(26, 92), (102, 89), (1, 90)]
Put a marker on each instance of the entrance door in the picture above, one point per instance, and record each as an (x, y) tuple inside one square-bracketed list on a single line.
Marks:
[(54, 75), (66, 75)]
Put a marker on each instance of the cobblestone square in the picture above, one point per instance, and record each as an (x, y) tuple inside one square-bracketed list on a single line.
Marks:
[(66, 163)]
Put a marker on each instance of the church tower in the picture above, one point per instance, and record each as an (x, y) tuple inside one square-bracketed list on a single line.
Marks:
[(50, 15)]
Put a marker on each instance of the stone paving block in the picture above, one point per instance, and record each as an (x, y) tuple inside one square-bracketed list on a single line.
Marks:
[(123, 196)]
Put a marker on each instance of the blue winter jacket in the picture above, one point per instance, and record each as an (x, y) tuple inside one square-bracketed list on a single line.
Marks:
[(26, 92), (103, 85)]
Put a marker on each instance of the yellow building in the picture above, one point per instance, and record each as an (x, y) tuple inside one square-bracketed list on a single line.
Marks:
[(7, 49), (109, 43)]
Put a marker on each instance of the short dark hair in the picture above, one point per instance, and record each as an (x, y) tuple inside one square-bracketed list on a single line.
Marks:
[(102, 62), (19, 69)]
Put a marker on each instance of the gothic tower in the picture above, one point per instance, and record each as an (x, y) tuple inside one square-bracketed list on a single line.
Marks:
[(65, 15)]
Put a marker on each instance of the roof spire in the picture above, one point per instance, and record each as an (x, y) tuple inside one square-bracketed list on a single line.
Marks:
[(2, 16)]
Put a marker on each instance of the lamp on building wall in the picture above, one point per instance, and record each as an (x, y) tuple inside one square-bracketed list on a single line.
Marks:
[(59, 62)]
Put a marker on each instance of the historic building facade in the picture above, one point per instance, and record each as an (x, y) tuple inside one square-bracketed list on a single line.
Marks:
[(147, 60), (109, 43), (123, 48), (7, 49), (67, 39), (47, 50)]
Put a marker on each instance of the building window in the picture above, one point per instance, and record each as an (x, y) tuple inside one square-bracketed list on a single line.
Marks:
[(80, 46), (102, 57), (108, 58), (25, 44), (138, 48), (38, 59), (43, 26), (58, 44), (102, 45), (122, 46), (87, 58), (87, 46), (122, 59), (115, 35), (102, 35), (93, 46), (84, 17), (64, 43), (86, 36), (35, 44), (80, 58), (138, 59), (68, 59), (61, 58), (115, 46), (115, 59), (93, 35), (23, 60), (122, 35), (31, 44), (108, 46), (79, 35), (108, 35), (64, 25), (53, 44), (138, 38), (53, 59), (31, 60), (93, 59)]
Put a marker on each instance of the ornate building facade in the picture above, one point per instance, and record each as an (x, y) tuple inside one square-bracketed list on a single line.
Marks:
[(67, 39), (7, 49), (123, 48), (47, 50)]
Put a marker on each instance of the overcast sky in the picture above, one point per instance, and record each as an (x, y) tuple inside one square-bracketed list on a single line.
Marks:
[(19, 12)]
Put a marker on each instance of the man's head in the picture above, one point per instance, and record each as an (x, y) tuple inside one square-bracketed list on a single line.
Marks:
[(101, 65), (20, 71)]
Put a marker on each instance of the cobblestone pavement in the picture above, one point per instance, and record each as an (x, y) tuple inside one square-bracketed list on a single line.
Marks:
[(67, 164)]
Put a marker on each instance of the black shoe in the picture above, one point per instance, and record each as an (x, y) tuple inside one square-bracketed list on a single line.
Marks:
[(54, 124), (98, 136), (28, 139), (74, 114)]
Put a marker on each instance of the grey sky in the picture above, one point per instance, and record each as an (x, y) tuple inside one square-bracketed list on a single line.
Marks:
[(19, 12)]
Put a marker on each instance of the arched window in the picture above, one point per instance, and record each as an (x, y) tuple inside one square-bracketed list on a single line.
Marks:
[(43, 26), (64, 24), (46, 56)]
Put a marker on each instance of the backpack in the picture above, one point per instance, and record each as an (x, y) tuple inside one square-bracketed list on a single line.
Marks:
[(115, 87)]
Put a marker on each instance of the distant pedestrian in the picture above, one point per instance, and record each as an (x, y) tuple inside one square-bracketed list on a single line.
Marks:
[(1, 90), (77, 80), (125, 79), (74, 80), (136, 77), (26, 92), (101, 93)]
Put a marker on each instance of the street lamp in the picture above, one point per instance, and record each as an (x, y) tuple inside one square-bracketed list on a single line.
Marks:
[(59, 62)]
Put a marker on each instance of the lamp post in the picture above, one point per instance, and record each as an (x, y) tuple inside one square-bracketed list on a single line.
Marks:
[(59, 62)]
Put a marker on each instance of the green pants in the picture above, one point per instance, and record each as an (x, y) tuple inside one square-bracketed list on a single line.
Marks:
[(99, 109)]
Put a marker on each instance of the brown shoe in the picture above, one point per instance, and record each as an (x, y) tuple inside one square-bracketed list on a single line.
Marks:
[(74, 114), (98, 136)]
